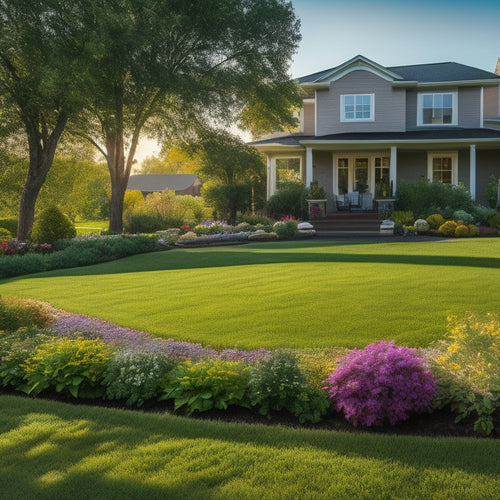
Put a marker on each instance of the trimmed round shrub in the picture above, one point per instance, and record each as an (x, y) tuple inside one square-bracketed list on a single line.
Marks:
[(290, 199), (52, 225), (286, 229), (463, 216), (435, 221), (448, 228), (461, 231), (494, 221), (473, 230), (382, 382), (421, 225)]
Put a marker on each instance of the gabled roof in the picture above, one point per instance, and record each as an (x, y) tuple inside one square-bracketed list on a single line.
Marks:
[(421, 73), (150, 183)]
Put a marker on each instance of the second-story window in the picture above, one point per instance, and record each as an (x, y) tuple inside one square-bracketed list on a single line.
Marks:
[(357, 107), (437, 108)]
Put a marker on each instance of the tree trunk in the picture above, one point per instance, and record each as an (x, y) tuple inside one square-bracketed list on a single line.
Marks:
[(42, 148), (119, 169)]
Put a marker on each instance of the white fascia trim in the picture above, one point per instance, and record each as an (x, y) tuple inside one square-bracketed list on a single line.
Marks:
[(355, 64), (401, 141)]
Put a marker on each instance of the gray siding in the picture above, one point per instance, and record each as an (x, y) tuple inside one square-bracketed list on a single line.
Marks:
[(323, 173), (390, 105), (469, 108), (412, 166), (487, 163)]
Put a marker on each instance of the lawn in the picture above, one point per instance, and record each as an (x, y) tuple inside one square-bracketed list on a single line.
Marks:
[(285, 294), (52, 450), (91, 226)]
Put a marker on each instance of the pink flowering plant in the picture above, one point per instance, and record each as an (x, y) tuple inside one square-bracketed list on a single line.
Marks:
[(382, 382)]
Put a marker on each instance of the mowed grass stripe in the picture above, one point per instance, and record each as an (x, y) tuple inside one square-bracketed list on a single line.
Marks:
[(298, 294), (52, 450)]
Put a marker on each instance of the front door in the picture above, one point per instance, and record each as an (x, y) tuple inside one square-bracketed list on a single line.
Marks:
[(360, 178), (351, 172)]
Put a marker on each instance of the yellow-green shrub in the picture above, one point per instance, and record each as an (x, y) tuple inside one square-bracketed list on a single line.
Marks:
[(448, 228), (319, 365), (467, 364), (52, 225), (473, 230), (406, 218), (18, 313), (72, 366), (435, 220), (461, 231)]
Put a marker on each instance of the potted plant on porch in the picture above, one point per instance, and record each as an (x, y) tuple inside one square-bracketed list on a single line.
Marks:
[(316, 201)]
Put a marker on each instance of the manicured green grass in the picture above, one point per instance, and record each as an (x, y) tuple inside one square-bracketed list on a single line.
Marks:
[(91, 226), (55, 451), (295, 294)]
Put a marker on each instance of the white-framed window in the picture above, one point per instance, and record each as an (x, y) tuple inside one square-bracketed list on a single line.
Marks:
[(443, 167), (357, 107), (437, 108)]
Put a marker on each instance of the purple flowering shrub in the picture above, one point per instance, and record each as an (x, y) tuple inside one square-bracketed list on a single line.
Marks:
[(381, 382)]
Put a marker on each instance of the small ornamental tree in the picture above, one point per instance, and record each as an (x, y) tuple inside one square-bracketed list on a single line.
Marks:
[(382, 382)]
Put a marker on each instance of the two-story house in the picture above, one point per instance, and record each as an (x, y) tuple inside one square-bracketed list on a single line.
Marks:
[(365, 124)]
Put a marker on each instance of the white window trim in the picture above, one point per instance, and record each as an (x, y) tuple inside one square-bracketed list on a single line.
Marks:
[(454, 164), (343, 119), (420, 109)]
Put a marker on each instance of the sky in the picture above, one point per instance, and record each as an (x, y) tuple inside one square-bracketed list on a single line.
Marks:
[(391, 33)]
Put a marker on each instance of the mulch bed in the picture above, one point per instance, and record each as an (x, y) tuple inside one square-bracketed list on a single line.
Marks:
[(440, 423)]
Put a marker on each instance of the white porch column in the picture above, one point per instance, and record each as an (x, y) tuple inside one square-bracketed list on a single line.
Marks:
[(271, 176), (309, 166), (472, 187), (393, 168)]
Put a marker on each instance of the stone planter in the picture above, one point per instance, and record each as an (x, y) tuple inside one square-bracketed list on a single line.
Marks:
[(317, 209)]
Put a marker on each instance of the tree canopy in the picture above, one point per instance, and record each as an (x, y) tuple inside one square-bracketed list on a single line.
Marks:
[(170, 68)]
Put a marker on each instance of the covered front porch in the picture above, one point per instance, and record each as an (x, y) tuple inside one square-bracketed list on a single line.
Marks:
[(366, 172)]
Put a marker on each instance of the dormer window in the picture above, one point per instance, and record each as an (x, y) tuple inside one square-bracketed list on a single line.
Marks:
[(437, 108), (357, 107)]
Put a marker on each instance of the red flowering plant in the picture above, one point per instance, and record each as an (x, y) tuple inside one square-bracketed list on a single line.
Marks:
[(382, 382)]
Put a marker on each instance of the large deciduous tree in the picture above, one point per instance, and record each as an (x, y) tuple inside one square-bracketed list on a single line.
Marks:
[(170, 66), (39, 50)]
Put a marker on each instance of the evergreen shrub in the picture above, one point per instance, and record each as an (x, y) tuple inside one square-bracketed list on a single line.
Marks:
[(52, 225)]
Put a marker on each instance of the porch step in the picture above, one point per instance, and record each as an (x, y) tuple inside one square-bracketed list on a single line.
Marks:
[(347, 224)]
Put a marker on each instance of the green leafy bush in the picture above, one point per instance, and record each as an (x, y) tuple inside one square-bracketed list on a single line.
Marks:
[(207, 384), (494, 221), (482, 214), (52, 225), (19, 313), (461, 231), (277, 381), (135, 376), (286, 229), (143, 223), (448, 228), (228, 199), (255, 220), (466, 363), (463, 216), (71, 366), (290, 199), (15, 348), (491, 192), (424, 198), (9, 223), (435, 221), (404, 218)]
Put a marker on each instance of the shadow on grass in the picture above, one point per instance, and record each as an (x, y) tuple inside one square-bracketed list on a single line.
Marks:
[(59, 450), (218, 257)]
